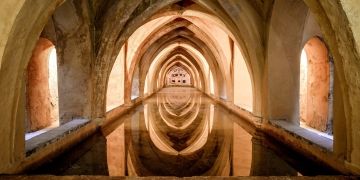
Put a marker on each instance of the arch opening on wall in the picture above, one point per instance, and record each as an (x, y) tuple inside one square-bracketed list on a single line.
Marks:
[(58, 76), (302, 76), (316, 86), (42, 99)]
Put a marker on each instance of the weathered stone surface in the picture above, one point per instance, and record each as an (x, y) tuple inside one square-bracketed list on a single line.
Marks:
[(52, 136), (39, 108), (318, 84), (72, 23)]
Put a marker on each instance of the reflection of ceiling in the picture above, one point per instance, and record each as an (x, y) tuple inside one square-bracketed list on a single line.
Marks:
[(180, 134), (181, 116)]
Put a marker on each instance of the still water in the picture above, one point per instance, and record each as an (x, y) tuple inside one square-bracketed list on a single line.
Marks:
[(180, 132)]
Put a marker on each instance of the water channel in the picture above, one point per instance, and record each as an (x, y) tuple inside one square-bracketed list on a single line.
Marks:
[(181, 132)]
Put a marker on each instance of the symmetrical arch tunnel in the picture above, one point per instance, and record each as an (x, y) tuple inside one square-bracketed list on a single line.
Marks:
[(200, 45), (278, 64)]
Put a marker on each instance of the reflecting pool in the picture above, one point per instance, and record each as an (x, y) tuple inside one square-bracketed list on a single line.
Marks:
[(180, 132)]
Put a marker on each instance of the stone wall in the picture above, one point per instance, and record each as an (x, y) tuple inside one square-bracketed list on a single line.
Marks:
[(75, 53)]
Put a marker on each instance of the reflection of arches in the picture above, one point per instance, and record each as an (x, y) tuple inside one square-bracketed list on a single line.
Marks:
[(41, 87), (170, 112), (180, 113), (315, 84), (202, 146)]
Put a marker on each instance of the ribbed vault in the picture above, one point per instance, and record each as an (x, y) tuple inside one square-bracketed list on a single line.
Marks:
[(197, 31), (244, 54)]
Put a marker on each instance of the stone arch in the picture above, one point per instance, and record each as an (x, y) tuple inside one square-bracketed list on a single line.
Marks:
[(336, 19), (11, 75), (334, 25), (136, 21), (148, 57), (188, 52), (219, 57), (337, 25), (190, 61), (13, 65)]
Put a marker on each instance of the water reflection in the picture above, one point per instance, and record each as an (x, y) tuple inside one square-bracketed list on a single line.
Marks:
[(178, 132)]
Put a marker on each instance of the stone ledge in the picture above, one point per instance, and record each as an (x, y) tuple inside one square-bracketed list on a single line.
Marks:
[(310, 137), (38, 142), (306, 147)]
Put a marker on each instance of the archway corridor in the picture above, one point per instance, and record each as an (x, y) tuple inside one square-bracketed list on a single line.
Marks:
[(179, 88)]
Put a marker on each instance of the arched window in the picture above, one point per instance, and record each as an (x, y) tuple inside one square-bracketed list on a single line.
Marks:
[(316, 86), (42, 89)]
